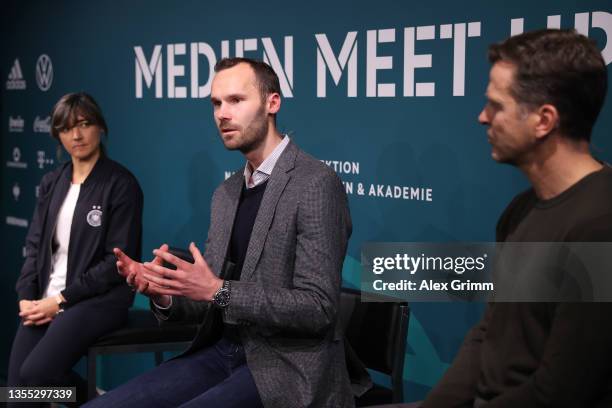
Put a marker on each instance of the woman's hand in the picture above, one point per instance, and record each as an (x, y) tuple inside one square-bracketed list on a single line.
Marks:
[(25, 305), (38, 312)]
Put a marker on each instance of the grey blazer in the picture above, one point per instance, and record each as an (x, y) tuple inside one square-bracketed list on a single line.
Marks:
[(287, 299)]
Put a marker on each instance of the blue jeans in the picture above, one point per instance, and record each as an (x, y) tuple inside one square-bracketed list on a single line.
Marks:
[(217, 376)]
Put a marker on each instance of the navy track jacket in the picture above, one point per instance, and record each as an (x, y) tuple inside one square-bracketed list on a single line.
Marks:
[(108, 214)]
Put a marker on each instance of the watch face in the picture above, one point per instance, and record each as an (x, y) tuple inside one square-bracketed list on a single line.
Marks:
[(222, 297)]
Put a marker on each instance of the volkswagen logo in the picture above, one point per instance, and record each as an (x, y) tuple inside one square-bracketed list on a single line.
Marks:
[(44, 72)]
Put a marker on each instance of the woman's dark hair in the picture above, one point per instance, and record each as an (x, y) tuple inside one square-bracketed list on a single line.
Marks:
[(70, 107)]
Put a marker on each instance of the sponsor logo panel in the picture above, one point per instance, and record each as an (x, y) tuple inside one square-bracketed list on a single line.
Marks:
[(16, 191), (16, 162), (16, 221), (42, 125), (15, 80), (44, 72), (16, 124), (42, 159)]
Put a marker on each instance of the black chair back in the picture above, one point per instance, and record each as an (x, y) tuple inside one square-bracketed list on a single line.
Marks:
[(376, 331)]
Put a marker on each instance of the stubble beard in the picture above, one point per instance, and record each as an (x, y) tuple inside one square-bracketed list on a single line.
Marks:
[(253, 136)]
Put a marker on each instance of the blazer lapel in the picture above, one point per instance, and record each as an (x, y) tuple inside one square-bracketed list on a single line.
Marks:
[(276, 185), (228, 214)]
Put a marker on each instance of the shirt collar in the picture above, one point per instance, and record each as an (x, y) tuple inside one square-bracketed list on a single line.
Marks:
[(263, 172)]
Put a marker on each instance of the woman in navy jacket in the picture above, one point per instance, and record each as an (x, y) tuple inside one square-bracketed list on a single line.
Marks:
[(69, 290)]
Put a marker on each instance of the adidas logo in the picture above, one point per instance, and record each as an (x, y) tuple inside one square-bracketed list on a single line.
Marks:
[(15, 77)]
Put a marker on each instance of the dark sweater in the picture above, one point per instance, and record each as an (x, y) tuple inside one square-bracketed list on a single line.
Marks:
[(248, 206), (541, 354)]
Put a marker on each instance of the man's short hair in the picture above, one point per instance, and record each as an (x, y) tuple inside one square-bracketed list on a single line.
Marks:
[(267, 80), (561, 68)]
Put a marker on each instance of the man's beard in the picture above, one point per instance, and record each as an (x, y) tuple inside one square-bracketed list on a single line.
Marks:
[(254, 134)]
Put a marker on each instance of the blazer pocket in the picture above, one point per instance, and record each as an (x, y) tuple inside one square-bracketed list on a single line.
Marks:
[(278, 225), (296, 344), (276, 239)]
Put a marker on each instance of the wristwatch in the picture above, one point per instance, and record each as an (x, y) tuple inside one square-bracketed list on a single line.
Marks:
[(221, 298)]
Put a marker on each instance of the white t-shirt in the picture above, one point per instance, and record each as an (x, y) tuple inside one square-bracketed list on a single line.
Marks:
[(61, 238)]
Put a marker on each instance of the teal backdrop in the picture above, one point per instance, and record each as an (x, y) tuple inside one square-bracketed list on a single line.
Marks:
[(386, 92)]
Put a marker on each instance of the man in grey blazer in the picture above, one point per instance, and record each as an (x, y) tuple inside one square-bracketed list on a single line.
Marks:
[(270, 276)]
